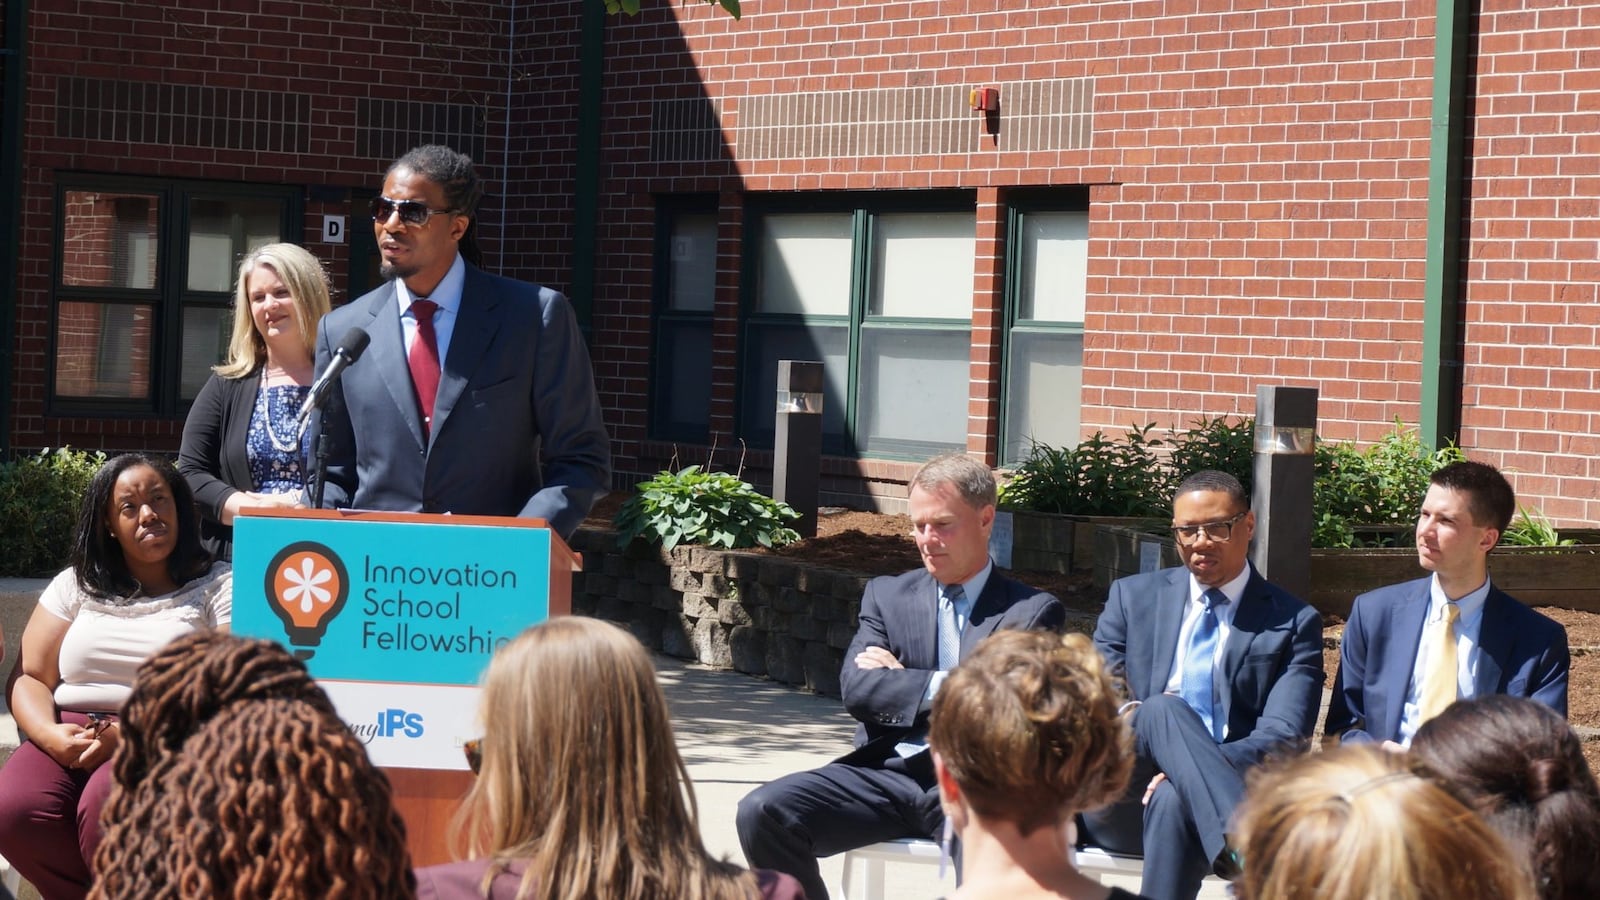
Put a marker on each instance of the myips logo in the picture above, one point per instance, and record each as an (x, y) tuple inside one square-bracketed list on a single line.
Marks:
[(399, 723), (307, 585)]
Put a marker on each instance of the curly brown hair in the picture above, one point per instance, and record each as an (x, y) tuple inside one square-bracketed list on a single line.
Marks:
[(1028, 727), (236, 778)]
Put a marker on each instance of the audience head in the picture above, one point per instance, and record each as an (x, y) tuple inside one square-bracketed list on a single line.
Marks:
[(237, 778), (1026, 731), (262, 271), (136, 511), (1213, 524), (951, 503), (580, 773), (1355, 822), (1521, 766)]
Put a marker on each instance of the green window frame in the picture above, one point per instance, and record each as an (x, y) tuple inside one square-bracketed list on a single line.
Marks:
[(1046, 257), (878, 287)]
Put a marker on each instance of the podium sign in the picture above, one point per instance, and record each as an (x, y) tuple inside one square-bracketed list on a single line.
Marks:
[(395, 615)]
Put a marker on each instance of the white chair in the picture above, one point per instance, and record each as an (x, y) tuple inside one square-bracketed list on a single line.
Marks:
[(873, 858)]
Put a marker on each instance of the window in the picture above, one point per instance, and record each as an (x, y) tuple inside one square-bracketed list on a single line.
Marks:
[(686, 281), (881, 294), (1046, 275), (144, 285)]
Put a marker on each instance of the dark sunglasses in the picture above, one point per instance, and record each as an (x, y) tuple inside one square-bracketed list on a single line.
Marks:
[(412, 212), (474, 751)]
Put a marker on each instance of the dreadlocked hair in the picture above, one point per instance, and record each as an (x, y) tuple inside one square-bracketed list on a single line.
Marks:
[(235, 778), (269, 799), (189, 681)]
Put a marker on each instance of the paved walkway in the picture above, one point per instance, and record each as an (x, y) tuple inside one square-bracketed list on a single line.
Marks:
[(736, 732)]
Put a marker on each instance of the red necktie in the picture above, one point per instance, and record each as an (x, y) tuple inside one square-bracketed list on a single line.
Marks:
[(424, 360)]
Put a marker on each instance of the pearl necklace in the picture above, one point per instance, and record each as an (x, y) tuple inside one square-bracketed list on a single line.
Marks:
[(292, 445)]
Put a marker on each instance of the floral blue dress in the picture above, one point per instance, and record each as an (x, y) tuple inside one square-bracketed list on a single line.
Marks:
[(278, 458)]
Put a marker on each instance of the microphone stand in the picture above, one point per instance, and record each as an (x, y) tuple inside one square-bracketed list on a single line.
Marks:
[(319, 468)]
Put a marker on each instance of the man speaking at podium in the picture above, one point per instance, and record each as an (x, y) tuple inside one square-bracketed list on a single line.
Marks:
[(475, 395)]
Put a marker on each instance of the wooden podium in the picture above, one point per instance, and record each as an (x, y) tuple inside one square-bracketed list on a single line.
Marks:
[(401, 668)]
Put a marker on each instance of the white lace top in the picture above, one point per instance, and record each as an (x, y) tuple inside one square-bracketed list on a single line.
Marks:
[(105, 643)]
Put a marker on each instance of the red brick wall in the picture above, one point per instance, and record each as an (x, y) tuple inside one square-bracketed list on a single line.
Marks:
[(1258, 203), (1532, 398), (1258, 185), (435, 51)]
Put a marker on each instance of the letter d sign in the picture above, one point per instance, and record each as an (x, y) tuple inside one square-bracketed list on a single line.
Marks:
[(333, 229)]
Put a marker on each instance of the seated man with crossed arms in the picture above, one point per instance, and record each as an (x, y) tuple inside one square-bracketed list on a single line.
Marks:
[(913, 629)]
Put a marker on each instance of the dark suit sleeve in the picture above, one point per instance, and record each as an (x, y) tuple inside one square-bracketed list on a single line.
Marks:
[(1547, 678), (200, 454), (332, 424), (1111, 636), (1290, 713), (575, 451), (1347, 708), (881, 697)]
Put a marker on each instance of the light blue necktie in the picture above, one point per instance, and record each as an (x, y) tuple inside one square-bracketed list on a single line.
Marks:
[(949, 626), (1196, 688)]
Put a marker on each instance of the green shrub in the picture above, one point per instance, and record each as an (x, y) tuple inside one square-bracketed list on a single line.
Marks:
[(39, 500), (1098, 477), (1359, 498), (1382, 485), (1532, 529), (1214, 444), (712, 508)]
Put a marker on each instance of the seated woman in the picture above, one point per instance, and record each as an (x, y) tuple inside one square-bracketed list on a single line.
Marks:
[(241, 444), (1354, 823), (1025, 735), (236, 777), (1521, 766), (581, 792), (139, 578)]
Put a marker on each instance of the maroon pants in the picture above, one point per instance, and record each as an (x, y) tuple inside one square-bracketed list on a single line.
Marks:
[(50, 819)]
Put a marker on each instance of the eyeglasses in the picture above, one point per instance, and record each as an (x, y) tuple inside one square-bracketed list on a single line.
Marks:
[(412, 212), (1218, 532), (97, 724), (474, 753)]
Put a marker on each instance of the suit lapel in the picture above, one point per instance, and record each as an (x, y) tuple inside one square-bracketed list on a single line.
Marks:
[(985, 613), (1494, 643), (1170, 606), (388, 356), (1406, 621), (475, 328), (1248, 620)]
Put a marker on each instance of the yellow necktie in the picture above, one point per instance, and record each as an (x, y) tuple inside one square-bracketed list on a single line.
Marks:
[(1439, 687)]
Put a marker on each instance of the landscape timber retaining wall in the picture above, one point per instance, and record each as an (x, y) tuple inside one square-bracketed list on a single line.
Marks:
[(731, 609)]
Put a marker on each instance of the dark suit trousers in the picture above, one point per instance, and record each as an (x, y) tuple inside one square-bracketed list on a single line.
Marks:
[(1184, 827), (787, 824)]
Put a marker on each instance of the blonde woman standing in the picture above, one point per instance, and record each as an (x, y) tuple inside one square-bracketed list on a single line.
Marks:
[(241, 442)]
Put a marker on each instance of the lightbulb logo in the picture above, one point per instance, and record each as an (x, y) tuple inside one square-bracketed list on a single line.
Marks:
[(307, 585)]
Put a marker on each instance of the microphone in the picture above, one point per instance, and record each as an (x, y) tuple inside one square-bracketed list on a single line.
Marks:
[(350, 348)]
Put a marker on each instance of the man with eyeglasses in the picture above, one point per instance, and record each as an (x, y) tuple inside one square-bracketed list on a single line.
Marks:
[(475, 395), (1412, 649), (1223, 668)]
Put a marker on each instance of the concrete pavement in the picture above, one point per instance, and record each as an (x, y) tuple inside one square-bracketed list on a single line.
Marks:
[(736, 732)]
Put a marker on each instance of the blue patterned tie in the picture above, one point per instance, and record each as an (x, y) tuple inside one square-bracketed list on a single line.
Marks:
[(949, 627), (1196, 689)]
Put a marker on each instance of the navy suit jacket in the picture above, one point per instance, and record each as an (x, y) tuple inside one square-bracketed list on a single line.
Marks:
[(900, 613), (516, 429), (1520, 652), (1272, 662)]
